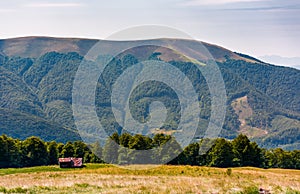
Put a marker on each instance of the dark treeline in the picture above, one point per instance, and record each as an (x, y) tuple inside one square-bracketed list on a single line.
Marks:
[(217, 153), (35, 152)]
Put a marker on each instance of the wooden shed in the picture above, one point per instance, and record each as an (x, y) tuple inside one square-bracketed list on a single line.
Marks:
[(70, 162)]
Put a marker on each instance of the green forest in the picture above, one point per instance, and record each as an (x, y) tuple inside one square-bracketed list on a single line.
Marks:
[(37, 95), (220, 152)]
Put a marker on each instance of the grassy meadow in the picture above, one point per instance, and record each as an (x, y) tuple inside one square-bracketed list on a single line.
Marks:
[(101, 178)]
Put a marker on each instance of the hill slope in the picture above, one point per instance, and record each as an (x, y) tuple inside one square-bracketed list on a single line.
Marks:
[(34, 47), (36, 87)]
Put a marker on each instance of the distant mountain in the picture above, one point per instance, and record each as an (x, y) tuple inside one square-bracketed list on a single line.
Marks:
[(285, 61), (37, 74)]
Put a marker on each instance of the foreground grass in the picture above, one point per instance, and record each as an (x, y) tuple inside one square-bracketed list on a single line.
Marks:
[(101, 178)]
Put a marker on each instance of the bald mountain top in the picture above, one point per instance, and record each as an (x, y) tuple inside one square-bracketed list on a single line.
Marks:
[(35, 47)]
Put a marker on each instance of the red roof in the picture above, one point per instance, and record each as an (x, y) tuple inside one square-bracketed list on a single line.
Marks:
[(77, 162), (64, 159)]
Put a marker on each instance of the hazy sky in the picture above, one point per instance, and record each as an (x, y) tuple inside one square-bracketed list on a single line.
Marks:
[(255, 27)]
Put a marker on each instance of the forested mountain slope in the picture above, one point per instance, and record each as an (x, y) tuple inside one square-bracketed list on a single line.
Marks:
[(37, 74)]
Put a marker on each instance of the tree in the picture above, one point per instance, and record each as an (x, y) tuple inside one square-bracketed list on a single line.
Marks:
[(35, 152), (60, 147), (10, 155), (283, 159), (110, 150), (52, 152), (97, 149), (80, 149), (190, 154), (4, 154), (296, 159), (140, 152), (67, 150), (270, 159), (125, 139), (169, 152), (160, 139), (256, 155), (221, 154), (246, 153), (205, 146), (123, 156), (96, 154), (140, 142)]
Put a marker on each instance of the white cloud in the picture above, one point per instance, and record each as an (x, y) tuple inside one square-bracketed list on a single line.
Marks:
[(6, 10), (49, 5), (215, 2)]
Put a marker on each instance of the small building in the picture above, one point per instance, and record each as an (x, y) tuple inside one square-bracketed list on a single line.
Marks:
[(70, 162)]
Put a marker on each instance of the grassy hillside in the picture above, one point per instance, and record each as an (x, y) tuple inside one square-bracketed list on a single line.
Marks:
[(99, 178), (34, 47)]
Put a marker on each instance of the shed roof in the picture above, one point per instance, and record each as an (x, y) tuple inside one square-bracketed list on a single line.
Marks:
[(64, 159)]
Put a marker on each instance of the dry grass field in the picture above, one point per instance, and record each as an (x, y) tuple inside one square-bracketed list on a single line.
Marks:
[(99, 178)]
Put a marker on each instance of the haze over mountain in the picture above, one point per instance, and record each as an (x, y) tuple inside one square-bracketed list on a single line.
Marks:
[(284, 61), (37, 74)]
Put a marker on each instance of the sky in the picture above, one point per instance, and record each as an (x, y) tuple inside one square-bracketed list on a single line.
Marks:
[(254, 27)]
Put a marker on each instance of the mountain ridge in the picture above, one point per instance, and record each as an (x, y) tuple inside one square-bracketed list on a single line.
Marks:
[(44, 67), (39, 45)]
